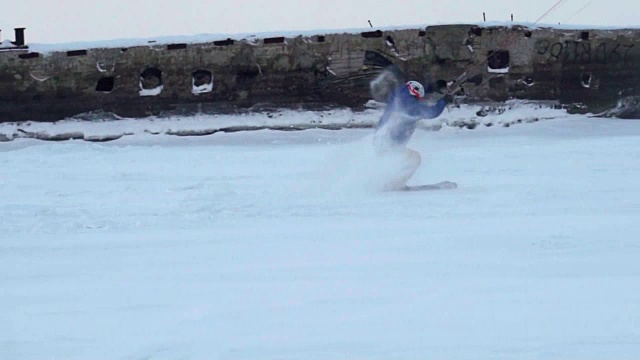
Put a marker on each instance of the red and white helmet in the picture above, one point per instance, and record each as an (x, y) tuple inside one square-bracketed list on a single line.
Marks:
[(416, 89)]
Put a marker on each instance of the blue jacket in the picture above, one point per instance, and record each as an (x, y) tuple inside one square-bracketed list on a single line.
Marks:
[(401, 116)]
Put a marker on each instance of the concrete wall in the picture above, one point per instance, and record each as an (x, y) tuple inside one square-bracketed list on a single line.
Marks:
[(589, 69)]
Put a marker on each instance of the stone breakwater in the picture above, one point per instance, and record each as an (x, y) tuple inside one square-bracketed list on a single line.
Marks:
[(583, 70)]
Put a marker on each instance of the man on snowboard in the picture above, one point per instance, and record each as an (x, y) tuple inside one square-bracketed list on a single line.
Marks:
[(397, 125)]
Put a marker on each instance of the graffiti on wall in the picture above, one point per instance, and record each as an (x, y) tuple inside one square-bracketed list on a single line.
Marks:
[(585, 51)]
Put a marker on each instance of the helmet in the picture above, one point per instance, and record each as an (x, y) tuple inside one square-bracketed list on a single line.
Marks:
[(416, 89)]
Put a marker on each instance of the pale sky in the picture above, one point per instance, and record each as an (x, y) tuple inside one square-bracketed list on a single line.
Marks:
[(49, 21)]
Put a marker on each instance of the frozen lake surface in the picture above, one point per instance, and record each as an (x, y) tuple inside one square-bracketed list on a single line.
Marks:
[(276, 245)]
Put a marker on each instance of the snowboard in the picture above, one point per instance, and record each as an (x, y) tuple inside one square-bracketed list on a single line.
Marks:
[(444, 185)]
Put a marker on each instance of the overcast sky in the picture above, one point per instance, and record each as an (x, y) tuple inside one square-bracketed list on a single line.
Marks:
[(49, 21)]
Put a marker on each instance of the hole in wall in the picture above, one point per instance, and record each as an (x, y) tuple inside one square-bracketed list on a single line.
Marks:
[(31, 55), (201, 82), (371, 34), (176, 46), (477, 31), (227, 42), (76, 53), (528, 34), (274, 40), (584, 35), (106, 84), (151, 82), (498, 61)]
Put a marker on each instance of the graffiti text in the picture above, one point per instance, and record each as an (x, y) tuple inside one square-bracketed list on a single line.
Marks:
[(585, 51)]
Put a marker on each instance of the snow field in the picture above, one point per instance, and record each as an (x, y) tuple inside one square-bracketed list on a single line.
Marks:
[(277, 245)]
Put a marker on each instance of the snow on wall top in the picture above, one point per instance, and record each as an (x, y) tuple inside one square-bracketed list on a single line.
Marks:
[(205, 38), (6, 44)]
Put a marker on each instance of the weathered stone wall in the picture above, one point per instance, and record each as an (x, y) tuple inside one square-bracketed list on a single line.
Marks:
[(591, 69)]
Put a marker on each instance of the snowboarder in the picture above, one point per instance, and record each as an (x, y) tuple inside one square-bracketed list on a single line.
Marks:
[(397, 125)]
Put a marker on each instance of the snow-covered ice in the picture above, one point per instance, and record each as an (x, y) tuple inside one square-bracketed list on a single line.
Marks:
[(101, 128), (267, 245)]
